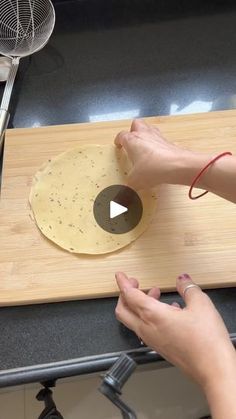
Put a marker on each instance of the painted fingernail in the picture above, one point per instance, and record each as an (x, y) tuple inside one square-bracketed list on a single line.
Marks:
[(184, 277)]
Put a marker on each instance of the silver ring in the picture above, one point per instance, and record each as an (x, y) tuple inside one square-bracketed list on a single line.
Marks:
[(188, 287)]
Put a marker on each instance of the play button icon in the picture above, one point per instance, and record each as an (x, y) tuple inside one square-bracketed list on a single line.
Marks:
[(118, 209)]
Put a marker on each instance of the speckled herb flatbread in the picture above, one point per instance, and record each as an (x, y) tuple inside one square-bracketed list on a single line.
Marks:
[(63, 195)]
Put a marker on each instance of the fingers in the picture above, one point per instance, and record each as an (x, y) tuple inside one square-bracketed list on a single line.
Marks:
[(135, 307), (193, 295), (126, 316), (175, 304), (154, 293), (120, 138), (123, 138), (127, 140), (123, 313), (134, 282), (144, 306), (124, 282), (139, 125)]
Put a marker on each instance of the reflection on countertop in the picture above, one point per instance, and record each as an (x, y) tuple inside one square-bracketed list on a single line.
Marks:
[(107, 62)]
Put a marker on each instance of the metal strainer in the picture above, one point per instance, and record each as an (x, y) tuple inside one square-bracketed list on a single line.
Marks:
[(25, 27)]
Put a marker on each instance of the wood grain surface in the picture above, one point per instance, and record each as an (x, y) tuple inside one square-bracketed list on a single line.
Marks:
[(198, 237)]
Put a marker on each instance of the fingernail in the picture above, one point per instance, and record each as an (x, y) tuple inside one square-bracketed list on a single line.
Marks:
[(184, 277)]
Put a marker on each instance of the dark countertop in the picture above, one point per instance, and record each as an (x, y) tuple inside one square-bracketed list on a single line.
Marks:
[(110, 60)]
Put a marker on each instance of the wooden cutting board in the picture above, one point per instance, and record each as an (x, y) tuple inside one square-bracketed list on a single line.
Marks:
[(197, 237)]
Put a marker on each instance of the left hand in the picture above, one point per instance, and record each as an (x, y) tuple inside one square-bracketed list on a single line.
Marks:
[(194, 338)]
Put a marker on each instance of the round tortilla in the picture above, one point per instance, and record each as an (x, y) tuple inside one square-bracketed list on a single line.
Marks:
[(63, 195)]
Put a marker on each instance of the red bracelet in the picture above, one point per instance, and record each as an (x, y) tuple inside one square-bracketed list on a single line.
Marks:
[(226, 153)]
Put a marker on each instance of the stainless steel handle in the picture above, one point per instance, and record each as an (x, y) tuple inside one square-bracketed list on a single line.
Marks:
[(4, 114), (10, 83), (4, 118)]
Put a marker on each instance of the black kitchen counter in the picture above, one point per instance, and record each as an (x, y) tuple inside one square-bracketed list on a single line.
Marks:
[(108, 60)]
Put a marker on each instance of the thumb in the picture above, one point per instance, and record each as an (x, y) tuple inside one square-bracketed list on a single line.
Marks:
[(130, 142), (189, 291)]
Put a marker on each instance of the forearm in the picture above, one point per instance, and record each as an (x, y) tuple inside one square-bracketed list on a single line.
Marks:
[(219, 178), (220, 394), (221, 401)]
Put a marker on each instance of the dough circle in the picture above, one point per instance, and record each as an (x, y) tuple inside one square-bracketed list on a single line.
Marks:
[(64, 191)]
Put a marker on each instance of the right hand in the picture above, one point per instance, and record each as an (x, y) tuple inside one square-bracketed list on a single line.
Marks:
[(154, 158), (194, 338)]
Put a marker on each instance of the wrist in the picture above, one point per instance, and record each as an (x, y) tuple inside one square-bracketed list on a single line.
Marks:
[(186, 166), (220, 397), (222, 375)]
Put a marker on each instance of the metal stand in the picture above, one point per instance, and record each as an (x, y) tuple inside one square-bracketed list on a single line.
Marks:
[(45, 395), (114, 380)]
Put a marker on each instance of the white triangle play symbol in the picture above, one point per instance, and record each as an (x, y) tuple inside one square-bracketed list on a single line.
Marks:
[(116, 209)]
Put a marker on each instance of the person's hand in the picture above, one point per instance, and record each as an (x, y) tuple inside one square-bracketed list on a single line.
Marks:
[(154, 159), (194, 338)]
